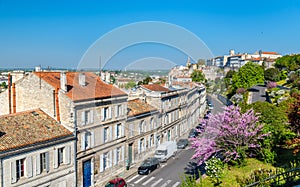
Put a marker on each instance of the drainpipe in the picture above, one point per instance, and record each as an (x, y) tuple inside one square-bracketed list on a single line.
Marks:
[(54, 108), (14, 97), (9, 93), (57, 104), (75, 145)]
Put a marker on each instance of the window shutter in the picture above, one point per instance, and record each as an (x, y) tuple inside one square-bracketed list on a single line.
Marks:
[(116, 111), (92, 139), (92, 116), (47, 162), (55, 158), (101, 163), (103, 135), (116, 129), (13, 172), (115, 156), (67, 155), (110, 133), (139, 147), (124, 107), (102, 114), (123, 129), (38, 164), (29, 166), (123, 152), (83, 118), (109, 112), (82, 141), (110, 158)]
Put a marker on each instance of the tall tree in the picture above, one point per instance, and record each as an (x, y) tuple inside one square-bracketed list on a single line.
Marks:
[(272, 74), (235, 134), (248, 75), (294, 115), (198, 76)]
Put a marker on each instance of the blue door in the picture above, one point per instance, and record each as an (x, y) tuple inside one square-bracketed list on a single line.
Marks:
[(87, 173)]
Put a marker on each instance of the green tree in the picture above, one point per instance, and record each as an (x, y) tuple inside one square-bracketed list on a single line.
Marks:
[(198, 76), (201, 62), (248, 75), (272, 74), (289, 62), (130, 85)]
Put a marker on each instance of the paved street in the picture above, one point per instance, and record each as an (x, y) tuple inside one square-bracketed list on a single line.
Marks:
[(257, 93), (218, 106), (168, 175)]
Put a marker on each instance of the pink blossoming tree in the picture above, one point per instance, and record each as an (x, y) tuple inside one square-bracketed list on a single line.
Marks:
[(236, 135)]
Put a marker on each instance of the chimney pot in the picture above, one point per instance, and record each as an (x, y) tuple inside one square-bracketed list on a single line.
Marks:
[(81, 79), (63, 81)]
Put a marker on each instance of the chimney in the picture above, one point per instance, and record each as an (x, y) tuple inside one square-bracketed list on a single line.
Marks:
[(14, 98), (63, 81), (9, 93), (81, 79)]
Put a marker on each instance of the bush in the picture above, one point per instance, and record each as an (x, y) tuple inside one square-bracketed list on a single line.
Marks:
[(214, 169), (256, 176)]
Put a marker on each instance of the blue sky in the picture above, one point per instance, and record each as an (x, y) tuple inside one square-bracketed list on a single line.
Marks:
[(58, 33)]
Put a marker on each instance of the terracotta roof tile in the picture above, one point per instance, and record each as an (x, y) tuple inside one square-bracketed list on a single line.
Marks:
[(29, 127), (94, 88), (155, 87), (270, 53), (137, 106)]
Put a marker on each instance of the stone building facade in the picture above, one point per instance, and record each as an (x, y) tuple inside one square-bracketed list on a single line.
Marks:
[(35, 151)]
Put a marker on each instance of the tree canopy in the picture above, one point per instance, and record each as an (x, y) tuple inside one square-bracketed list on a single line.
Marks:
[(248, 75), (289, 62), (198, 76), (272, 74), (235, 134)]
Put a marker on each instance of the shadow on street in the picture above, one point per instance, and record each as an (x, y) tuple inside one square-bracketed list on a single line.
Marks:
[(193, 169)]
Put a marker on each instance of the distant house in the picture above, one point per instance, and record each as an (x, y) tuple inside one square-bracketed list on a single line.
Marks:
[(35, 150)]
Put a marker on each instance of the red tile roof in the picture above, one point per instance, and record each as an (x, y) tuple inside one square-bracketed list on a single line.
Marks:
[(138, 106), (155, 87), (29, 127), (270, 53), (94, 88)]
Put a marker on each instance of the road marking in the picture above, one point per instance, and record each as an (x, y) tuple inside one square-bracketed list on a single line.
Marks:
[(132, 178), (140, 180), (163, 165), (176, 184), (166, 183), (154, 184), (148, 181)]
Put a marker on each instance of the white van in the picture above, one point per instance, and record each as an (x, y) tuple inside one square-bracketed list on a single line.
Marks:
[(165, 151)]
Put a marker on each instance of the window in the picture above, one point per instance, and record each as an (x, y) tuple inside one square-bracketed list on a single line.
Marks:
[(60, 156), (105, 161), (87, 117), (87, 141), (43, 161), (105, 134), (20, 168), (104, 113), (118, 155), (118, 130)]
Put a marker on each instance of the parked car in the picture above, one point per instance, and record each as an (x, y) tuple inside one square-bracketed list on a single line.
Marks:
[(165, 150), (117, 182), (182, 143), (210, 106), (148, 166), (193, 133)]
